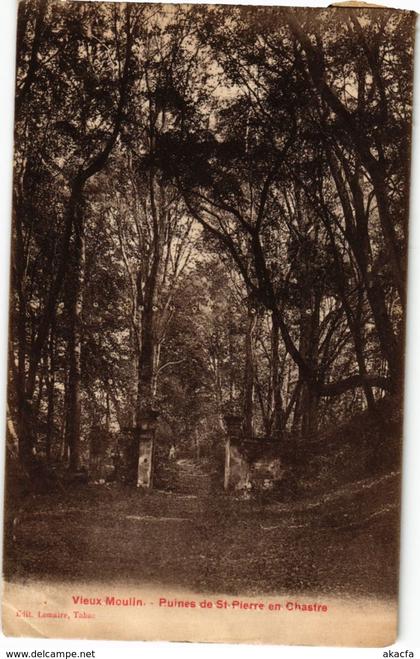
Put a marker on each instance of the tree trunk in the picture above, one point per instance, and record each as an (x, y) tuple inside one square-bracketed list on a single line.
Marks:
[(75, 342), (359, 243), (307, 406), (353, 321), (249, 374), (276, 420), (147, 362), (26, 430), (50, 384)]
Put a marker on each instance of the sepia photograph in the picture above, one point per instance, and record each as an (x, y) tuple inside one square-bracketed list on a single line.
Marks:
[(207, 322)]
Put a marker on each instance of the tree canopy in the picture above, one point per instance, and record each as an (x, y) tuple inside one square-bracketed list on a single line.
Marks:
[(210, 216)]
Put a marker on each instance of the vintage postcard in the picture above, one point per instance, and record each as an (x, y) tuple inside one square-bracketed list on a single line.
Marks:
[(207, 321)]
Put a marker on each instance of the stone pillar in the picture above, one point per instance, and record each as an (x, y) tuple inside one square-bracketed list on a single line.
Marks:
[(146, 439), (236, 467)]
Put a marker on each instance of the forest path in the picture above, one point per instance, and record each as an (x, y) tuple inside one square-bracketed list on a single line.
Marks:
[(189, 476), (337, 542)]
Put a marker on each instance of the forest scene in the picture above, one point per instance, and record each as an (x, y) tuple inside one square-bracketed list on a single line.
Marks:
[(207, 308)]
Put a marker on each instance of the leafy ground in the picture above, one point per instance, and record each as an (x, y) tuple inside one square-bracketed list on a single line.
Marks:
[(344, 541)]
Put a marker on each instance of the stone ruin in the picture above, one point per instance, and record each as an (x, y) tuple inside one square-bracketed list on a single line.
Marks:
[(251, 464)]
